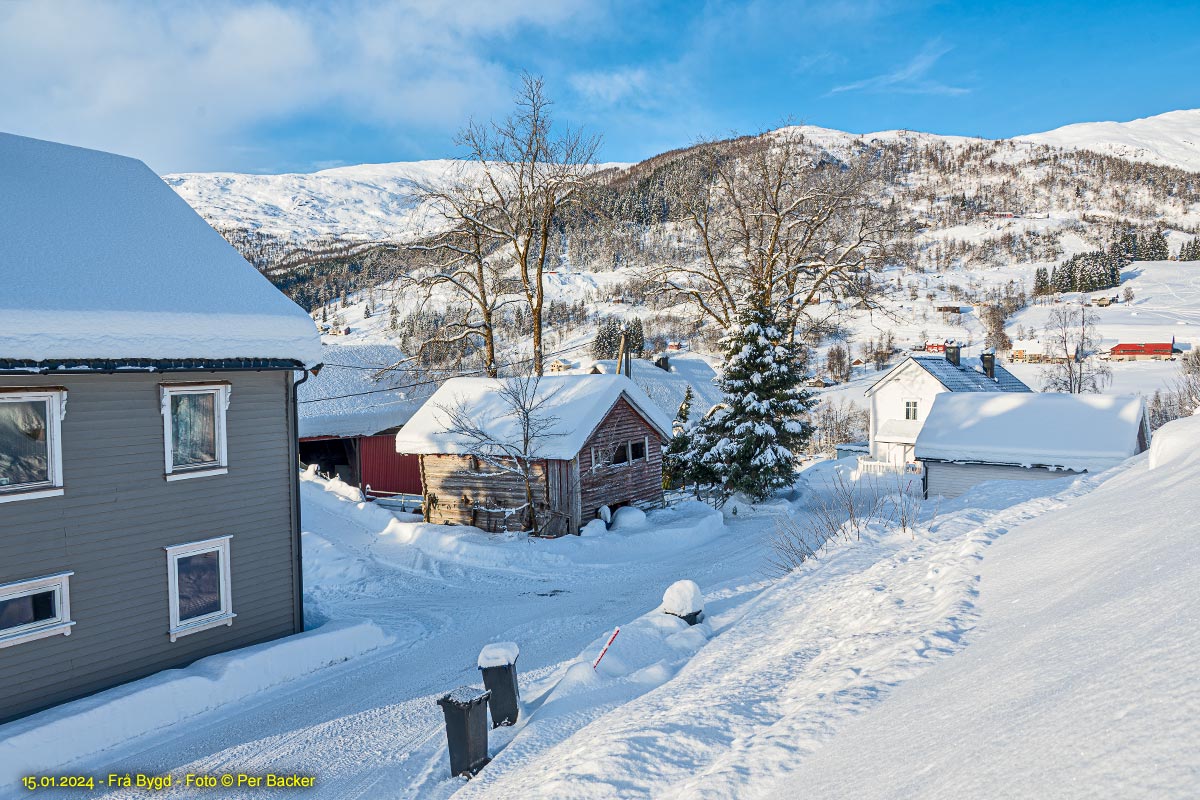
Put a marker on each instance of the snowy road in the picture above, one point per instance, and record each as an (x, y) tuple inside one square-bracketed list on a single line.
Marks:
[(370, 727)]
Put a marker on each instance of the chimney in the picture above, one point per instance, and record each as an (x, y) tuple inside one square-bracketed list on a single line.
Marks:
[(953, 352), (988, 360)]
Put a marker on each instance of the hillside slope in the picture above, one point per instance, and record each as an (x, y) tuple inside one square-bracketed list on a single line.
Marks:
[(1171, 139)]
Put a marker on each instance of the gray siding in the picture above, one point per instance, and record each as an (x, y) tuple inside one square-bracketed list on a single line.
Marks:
[(118, 513), (951, 480)]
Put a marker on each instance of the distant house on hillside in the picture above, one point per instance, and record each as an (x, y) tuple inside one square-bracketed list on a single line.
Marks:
[(602, 446), (1150, 351), (971, 438), (147, 431), (560, 365), (1034, 351), (349, 415), (901, 399)]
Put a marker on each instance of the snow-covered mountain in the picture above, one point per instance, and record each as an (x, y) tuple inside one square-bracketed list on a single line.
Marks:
[(367, 202), (374, 202), (1171, 139)]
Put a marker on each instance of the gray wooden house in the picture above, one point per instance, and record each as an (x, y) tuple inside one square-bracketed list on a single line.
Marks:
[(598, 443), (149, 506)]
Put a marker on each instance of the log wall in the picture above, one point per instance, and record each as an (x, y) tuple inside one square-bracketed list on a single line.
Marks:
[(462, 490), (637, 483)]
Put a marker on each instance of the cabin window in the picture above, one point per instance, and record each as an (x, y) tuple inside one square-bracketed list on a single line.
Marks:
[(621, 454), (637, 450), (31, 443), (198, 583), (194, 429), (910, 409), (35, 609)]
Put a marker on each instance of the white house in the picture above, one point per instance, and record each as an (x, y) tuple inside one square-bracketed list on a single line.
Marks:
[(974, 437), (901, 399)]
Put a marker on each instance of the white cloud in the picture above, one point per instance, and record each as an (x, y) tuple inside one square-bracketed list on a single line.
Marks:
[(910, 78), (184, 85), (609, 88)]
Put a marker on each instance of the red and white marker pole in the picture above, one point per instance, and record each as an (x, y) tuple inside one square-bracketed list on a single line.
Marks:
[(606, 646)]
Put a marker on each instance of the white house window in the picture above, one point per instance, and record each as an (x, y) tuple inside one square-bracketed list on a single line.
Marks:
[(198, 584), (910, 409), (194, 429), (31, 443), (35, 609)]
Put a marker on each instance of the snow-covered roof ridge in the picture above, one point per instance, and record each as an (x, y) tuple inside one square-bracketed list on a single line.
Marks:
[(1066, 431), (967, 376), (102, 260), (573, 404)]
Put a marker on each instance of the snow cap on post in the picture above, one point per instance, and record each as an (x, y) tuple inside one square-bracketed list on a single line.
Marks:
[(683, 599), (498, 654)]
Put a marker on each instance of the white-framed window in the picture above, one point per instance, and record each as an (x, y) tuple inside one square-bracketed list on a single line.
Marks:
[(194, 437), (638, 449), (910, 409), (198, 586), (35, 609), (31, 442)]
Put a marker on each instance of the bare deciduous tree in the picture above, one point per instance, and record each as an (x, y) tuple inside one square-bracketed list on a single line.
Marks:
[(530, 172), (1071, 339), (769, 218)]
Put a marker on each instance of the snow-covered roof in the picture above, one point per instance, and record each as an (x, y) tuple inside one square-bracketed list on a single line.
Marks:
[(1068, 431), (573, 405), (349, 397), (967, 376), (667, 387), (102, 260), (903, 431)]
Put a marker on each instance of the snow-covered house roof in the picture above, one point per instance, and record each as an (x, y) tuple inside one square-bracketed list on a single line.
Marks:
[(102, 260), (667, 387), (574, 405), (353, 396), (967, 376), (1066, 431)]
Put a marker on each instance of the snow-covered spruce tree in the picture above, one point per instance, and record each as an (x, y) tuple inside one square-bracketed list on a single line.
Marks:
[(747, 444), (675, 457)]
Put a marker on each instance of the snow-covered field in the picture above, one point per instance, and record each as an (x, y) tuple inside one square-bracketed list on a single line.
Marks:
[(1040, 624)]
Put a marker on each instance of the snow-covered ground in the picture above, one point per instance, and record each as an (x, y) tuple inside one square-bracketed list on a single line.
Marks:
[(941, 658)]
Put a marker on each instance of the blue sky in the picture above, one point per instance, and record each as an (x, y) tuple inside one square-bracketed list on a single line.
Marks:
[(297, 86)]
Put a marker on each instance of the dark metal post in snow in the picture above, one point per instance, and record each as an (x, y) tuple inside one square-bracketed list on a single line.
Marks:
[(466, 729), (498, 663)]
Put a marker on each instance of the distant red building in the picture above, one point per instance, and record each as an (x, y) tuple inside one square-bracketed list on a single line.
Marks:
[(1145, 351)]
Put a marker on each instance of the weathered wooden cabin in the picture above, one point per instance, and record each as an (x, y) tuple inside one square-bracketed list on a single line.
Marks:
[(599, 443)]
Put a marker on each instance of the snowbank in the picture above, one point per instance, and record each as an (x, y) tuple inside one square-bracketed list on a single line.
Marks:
[(688, 525), (47, 742), (1176, 443)]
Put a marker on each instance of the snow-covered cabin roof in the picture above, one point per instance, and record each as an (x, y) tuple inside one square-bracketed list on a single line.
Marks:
[(968, 376), (667, 387), (575, 405), (1067, 431), (102, 260), (349, 397)]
